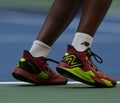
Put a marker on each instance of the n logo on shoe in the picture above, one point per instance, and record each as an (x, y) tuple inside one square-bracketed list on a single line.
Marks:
[(71, 60)]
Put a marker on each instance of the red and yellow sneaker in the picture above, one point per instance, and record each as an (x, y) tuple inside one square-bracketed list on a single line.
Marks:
[(36, 71), (79, 66)]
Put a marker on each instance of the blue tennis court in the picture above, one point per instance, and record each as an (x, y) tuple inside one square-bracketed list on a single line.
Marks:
[(19, 29)]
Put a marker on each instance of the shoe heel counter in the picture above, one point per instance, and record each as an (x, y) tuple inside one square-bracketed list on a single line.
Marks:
[(27, 65)]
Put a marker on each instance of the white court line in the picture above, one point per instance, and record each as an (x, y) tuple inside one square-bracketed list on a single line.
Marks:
[(29, 83)]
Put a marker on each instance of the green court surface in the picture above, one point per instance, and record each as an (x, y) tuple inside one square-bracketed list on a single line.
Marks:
[(70, 93)]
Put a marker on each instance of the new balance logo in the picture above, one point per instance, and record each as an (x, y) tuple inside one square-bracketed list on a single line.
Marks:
[(87, 44), (71, 60)]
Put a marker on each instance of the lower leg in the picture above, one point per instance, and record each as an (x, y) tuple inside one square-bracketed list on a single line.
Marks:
[(93, 12), (59, 17)]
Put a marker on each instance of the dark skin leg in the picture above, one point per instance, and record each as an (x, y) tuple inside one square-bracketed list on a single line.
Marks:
[(62, 13), (93, 12), (59, 17)]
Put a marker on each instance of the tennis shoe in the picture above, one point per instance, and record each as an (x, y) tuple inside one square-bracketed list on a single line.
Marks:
[(36, 71), (79, 66)]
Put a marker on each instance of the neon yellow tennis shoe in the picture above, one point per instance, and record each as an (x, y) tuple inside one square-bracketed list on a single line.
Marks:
[(79, 66)]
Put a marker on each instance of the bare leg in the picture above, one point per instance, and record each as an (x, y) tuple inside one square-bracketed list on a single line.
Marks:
[(92, 14), (59, 17)]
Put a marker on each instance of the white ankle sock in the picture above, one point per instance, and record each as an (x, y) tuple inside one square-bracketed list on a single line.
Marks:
[(82, 41), (39, 49)]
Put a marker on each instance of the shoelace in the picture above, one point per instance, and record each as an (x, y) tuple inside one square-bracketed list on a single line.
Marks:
[(48, 59), (96, 57), (52, 60)]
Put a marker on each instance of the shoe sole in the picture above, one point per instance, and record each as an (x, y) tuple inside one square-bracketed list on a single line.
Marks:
[(24, 76), (74, 77), (18, 74)]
